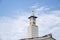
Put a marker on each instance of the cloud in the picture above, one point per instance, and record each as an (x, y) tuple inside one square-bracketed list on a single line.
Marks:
[(56, 33), (48, 23), (42, 9), (34, 6), (16, 28), (12, 29), (55, 12)]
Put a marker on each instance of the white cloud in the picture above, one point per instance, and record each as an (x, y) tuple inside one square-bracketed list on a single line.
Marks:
[(56, 32), (16, 28), (55, 12), (34, 6), (13, 29), (42, 9), (49, 24)]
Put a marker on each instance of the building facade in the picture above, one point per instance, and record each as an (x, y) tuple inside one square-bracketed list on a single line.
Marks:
[(46, 37)]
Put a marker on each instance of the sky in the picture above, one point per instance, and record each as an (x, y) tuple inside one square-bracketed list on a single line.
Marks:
[(14, 20)]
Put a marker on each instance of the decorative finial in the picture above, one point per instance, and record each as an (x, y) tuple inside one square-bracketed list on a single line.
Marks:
[(32, 13)]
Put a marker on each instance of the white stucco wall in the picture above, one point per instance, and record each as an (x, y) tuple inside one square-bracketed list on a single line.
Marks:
[(33, 31)]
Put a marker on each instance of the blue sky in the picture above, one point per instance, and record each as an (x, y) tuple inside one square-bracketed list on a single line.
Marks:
[(14, 18), (7, 6)]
